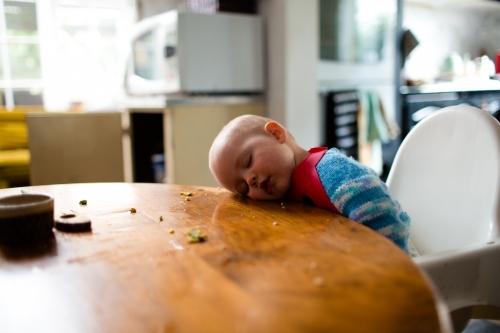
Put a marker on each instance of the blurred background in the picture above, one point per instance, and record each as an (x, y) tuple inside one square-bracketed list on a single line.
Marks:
[(354, 74)]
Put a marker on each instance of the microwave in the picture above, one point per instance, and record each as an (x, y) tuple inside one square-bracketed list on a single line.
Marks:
[(196, 53)]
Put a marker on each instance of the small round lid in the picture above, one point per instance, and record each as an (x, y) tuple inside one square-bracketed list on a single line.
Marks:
[(70, 222)]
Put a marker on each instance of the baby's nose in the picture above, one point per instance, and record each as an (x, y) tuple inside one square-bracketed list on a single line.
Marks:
[(252, 180)]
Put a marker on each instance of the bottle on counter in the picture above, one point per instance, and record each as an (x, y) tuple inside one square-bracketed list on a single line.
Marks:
[(485, 67)]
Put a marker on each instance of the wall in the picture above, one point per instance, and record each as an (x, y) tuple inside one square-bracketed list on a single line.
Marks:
[(292, 56), (444, 29)]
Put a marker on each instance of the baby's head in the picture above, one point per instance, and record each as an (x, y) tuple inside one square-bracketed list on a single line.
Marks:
[(254, 157)]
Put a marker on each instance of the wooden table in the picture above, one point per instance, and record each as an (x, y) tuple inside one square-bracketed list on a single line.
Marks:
[(265, 267)]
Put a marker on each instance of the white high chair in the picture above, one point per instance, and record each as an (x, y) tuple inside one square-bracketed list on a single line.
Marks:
[(446, 175)]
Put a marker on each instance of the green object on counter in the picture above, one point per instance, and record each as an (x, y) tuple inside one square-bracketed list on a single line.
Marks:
[(375, 127)]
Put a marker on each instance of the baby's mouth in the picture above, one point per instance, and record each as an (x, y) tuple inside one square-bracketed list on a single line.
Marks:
[(266, 185)]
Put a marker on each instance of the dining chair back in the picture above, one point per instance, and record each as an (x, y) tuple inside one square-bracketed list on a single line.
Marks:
[(75, 147)]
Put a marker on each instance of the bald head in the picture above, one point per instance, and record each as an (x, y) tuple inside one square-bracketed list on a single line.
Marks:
[(241, 127), (254, 156), (232, 136)]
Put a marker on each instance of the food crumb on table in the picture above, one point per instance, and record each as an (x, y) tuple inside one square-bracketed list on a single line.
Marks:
[(83, 202), (196, 236), (161, 218), (275, 223), (133, 210), (171, 231), (187, 194), (319, 281)]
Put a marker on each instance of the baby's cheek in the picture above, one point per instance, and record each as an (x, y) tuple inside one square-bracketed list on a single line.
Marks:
[(283, 186), (256, 197)]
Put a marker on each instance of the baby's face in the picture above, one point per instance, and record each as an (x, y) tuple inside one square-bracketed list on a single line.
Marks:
[(259, 167)]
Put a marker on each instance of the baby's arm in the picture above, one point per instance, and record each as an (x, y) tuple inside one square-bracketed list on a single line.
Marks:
[(359, 194)]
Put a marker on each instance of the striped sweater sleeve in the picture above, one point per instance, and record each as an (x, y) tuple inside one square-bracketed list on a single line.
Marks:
[(359, 194)]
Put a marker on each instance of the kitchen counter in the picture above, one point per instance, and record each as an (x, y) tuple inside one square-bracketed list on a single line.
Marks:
[(453, 86), (213, 99), (159, 102), (420, 101)]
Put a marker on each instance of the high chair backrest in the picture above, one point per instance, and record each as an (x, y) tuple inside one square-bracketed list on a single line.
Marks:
[(446, 175)]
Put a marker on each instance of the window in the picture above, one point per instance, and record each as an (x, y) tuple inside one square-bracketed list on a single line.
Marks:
[(20, 67), (64, 53), (355, 30)]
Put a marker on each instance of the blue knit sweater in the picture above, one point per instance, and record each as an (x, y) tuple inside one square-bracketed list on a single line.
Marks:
[(359, 194)]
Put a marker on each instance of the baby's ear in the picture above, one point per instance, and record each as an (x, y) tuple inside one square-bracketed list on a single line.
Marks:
[(276, 130)]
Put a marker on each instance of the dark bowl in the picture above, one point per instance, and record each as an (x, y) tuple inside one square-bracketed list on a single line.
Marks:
[(26, 217)]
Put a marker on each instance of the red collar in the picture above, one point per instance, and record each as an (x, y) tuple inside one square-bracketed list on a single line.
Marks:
[(306, 185)]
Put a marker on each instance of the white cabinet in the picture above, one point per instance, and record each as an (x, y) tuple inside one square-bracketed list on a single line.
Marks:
[(189, 127)]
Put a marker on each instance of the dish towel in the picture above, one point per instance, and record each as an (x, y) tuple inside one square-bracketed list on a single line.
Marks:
[(374, 129), (374, 126)]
